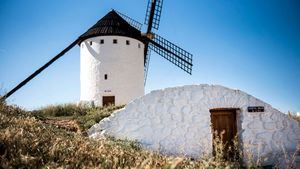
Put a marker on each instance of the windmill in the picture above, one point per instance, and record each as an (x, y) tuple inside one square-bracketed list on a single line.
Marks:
[(115, 56)]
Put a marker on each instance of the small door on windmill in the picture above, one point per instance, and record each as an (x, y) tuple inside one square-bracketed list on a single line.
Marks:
[(224, 127), (108, 100)]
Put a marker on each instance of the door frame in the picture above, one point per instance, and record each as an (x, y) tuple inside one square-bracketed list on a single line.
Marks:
[(235, 112), (114, 100)]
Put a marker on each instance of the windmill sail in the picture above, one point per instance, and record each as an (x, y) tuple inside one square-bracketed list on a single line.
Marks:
[(153, 13), (176, 55), (131, 21), (152, 19)]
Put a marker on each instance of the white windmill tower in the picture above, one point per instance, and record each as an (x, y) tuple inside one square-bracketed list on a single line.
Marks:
[(114, 57), (111, 62)]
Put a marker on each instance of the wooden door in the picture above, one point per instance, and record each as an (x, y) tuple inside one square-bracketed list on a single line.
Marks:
[(108, 100), (224, 122)]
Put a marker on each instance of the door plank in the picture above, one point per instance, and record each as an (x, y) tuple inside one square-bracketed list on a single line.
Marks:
[(224, 120)]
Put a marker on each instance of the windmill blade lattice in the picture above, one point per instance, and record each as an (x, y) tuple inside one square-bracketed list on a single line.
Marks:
[(131, 21), (176, 55), (157, 13)]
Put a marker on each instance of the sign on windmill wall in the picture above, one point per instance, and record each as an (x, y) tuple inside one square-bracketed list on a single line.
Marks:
[(253, 109)]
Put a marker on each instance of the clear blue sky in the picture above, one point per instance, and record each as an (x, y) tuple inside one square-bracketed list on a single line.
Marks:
[(251, 45)]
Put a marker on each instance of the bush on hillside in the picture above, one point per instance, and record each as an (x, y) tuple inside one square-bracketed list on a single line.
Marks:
[(85, 116), (62, 110)]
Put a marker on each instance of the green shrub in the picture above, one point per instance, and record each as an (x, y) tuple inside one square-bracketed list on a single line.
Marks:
[(61, 110), (89, 124), (85, 116), (95, 115)]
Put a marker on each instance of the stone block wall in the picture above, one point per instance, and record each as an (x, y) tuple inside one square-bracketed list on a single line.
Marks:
[(176, 121)]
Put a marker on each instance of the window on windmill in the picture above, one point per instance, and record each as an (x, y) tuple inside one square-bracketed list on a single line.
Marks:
[(102, 41), (82, 45), (105, 77), (115, 41), (127, 42), (139, 45), (91, 43)]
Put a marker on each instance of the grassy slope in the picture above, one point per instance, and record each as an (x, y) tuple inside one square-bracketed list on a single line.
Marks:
[(84, 117), (46, 138), (27, 142)]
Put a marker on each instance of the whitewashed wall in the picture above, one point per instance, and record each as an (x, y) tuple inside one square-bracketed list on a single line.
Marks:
[(124, 65), (176, 121)]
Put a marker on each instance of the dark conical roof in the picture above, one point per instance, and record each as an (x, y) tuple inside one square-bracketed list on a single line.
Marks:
[(112, 24)]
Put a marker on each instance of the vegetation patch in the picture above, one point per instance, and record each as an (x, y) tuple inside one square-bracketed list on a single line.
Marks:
[(40, 139), (73, 117), (29, 142)]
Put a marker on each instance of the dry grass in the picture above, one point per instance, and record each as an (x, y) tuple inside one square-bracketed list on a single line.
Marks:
[(294, 116), (28, 141)]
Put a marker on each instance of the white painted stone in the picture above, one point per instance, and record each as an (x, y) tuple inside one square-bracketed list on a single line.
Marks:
[(270, 126), (123, 64), (176, 121)]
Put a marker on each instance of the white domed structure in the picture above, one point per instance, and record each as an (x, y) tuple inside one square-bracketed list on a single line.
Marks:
[(180, 121)]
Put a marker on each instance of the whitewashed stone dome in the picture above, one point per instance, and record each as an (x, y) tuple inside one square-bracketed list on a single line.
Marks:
[(176, 121)]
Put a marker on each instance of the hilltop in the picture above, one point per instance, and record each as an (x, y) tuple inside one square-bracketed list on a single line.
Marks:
[(29, 140), (55, 136)]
